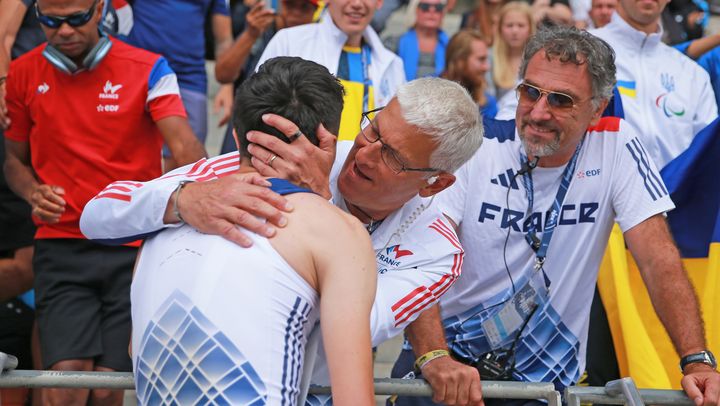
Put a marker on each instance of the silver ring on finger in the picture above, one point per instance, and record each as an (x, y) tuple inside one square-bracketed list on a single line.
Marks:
[(270, 161)]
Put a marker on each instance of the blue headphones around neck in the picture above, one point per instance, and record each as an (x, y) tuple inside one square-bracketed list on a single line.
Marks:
[(92, 60)]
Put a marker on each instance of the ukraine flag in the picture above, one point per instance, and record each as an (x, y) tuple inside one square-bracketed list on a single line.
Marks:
[(643, 348)]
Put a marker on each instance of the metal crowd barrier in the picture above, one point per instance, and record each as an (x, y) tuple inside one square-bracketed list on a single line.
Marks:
[(622, 391), (386, 386)]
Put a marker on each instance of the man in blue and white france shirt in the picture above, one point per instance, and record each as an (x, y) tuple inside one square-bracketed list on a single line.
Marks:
[(568, 76)]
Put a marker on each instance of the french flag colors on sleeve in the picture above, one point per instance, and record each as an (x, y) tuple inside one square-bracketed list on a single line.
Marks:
[(127, 210), (163, 98)]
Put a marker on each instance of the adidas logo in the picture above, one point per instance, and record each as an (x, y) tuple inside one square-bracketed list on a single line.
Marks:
[(506, 179)]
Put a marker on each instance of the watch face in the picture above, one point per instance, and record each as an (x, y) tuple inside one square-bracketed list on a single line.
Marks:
[(711, 358)]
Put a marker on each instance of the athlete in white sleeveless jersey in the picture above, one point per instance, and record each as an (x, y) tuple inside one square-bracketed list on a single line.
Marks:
[(215, 323), (238, 328)]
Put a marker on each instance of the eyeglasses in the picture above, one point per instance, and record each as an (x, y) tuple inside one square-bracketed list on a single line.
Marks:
[(74, 20), (528, 93), (439, 7), (389, 155)]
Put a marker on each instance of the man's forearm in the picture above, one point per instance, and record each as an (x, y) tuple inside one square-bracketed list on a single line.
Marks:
[(231, 62), (140, 211), (20, 178), (189, 153), (180, 139), (426, 333), (676, 304), (671, 293), (16, 274)]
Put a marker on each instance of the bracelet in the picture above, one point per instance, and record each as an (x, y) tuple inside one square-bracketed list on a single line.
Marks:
[(176, 209), (429, 356)]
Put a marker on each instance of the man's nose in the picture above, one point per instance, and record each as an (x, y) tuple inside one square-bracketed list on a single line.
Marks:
[(369, 154), (541, 109), (65, 30)]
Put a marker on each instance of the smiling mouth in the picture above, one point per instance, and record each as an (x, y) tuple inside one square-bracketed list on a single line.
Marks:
[(355, 16), (359, 172), (539, 129)]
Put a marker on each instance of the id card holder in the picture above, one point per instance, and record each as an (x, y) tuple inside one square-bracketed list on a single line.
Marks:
[(502, 327)]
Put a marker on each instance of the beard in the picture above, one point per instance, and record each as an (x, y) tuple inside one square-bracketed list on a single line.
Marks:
[(539, 149)]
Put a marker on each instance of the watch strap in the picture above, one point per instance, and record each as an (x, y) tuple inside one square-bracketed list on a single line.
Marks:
[(702, 357)]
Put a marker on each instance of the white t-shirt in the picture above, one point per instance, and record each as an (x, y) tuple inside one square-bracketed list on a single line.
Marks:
[(217, 323), (614, 180)]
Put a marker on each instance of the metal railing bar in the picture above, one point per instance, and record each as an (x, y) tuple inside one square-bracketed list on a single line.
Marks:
[(384, 386), (627, 388), (582, 394)]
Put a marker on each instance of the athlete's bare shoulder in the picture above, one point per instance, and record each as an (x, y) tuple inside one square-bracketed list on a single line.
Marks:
[(317, 229), (314, 212)]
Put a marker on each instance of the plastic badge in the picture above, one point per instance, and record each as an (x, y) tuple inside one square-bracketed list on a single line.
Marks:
[(502, 327)]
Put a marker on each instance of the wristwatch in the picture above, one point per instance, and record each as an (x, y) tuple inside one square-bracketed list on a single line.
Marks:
[(702, 357)]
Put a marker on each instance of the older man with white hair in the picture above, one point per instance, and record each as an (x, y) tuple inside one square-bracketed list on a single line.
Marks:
[(404, 154)]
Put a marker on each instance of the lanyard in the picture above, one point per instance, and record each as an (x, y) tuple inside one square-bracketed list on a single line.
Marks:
[(541, 247), (365, 60)]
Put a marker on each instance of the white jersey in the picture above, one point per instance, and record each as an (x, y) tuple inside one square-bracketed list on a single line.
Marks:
[(666, 96), (417, 252), (322, 42), (217, 323), (614, 180)]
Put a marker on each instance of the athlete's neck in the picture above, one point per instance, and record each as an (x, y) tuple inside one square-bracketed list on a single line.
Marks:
[(365, 215), (246, 166)]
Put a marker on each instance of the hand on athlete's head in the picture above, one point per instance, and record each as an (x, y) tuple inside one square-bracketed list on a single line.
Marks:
[(300, 162)]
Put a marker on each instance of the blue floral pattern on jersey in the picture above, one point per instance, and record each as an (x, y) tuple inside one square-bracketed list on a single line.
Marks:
[(184, 359), (547, 352)]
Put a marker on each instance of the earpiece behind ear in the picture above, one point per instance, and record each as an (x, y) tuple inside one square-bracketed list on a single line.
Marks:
[(432, 180)]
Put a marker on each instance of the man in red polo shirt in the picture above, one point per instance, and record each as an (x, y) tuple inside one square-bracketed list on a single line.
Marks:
[(85, 110)]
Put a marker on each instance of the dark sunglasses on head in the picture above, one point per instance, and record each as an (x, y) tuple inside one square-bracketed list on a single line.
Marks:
[(439, 7), (531, 94), (74, 20)]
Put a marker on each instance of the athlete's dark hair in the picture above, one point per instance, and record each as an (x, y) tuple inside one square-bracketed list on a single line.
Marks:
[(303, 92)]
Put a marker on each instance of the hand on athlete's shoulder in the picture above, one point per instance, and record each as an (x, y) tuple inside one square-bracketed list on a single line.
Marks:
[(219, 206)]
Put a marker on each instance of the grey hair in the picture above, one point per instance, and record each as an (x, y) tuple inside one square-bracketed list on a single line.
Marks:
[(568, 44), (445, 111)]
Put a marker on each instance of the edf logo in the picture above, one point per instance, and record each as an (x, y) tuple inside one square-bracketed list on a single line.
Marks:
[(588, 173)]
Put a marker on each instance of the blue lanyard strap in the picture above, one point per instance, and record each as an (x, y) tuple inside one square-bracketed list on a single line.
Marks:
[(365, 59), (541, 247)]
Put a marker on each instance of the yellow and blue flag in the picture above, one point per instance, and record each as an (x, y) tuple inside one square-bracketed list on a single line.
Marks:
[(627, 87)]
